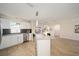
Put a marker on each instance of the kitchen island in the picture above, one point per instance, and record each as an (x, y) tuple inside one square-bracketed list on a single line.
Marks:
[(43, 45)]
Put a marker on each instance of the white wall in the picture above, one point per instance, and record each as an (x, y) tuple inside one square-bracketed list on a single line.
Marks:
[(67, 28)]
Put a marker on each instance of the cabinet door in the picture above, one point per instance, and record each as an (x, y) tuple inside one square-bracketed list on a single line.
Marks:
[(20, 38), (5, 24), (3, 43), (43, 47), (10, 40), (25, 25)]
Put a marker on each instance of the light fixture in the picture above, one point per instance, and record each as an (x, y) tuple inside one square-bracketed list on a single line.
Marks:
[(36, 23), (36, 18)]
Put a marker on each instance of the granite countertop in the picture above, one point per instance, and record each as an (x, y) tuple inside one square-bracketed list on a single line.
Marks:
[(12, 34)]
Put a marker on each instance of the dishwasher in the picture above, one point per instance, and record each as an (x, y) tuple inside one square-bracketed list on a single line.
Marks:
[(25, 37)]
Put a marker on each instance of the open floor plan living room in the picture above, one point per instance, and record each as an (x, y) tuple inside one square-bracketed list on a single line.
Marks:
[(39, 29)]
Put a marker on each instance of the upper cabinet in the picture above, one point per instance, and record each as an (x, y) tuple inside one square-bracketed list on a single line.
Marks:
[(25, 25), (7, 24), (15, 27)]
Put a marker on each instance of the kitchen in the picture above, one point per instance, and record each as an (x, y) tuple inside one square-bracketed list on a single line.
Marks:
[(13, 32)]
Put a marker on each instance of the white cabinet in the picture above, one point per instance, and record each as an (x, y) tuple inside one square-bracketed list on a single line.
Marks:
[(20, 38), (5, 24), (30, 36), (10, 40), (25, 25), (43, 45)]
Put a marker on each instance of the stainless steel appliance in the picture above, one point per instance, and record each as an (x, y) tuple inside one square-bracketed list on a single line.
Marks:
[(25, 37)]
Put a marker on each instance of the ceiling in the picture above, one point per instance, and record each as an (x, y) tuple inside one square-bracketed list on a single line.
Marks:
[(47, 11)]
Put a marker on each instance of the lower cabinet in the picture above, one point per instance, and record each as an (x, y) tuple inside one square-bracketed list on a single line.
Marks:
[(10, 40), (43, 45)]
